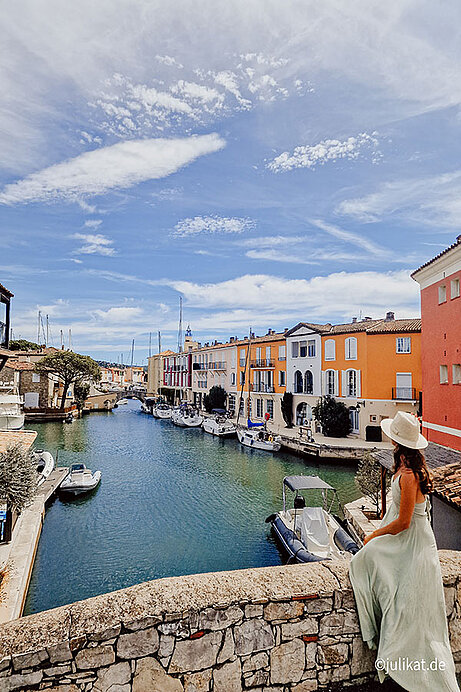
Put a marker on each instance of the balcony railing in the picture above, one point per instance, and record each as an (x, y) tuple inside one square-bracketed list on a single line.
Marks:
[(404, 393), (262, 363), (261, 387), (217, 365)]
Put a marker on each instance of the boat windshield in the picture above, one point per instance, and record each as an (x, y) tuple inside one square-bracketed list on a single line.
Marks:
[(77, 467)]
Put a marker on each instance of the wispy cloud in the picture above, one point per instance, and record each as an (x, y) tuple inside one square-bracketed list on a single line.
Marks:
[(94, 244), (310, 156), (93, 223), (431, 201), (351, 238), (212, 224), (119, 166)]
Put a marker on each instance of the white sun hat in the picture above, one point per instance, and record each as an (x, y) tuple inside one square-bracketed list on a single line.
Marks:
[(404, 429)]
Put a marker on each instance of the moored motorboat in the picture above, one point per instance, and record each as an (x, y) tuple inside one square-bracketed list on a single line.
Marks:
[(11, 413), (187, 417), (312, 533), (162, 411), (44, 464), (122, 402), (219, 425), (80, 480), (259, 438)]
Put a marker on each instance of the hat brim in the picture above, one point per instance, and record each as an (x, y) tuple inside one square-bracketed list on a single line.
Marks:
[(420, 443)]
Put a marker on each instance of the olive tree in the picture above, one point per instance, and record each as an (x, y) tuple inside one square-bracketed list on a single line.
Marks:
[(70, 368), (368, 479), (18, 478), (333, 416)]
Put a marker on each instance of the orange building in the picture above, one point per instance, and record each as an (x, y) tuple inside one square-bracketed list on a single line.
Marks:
[(374, 367), (262, 376)]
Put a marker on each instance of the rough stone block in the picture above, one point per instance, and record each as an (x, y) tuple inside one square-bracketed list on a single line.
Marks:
[(109, 633), (198, 682), (142, 623), (60, 653), (333, 654), (252, 636), (213, 619), (306, 626), (449, 592), (287, 662), (228, 648), (228, 678), (151, 677), (166, 646), (363, 658), (66, 688), (113, 678), (319, 605), (256, 678), (253, 610), (283, 611), (454, 627), (179, 628), (305, 686), (311, 652), (30, 660), (194, 654), (260, 660), (58, 670), (89, 659), (18, 682), (137, 644), (334, 674)]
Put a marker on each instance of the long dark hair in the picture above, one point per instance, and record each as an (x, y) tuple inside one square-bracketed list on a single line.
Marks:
[(415, 461)]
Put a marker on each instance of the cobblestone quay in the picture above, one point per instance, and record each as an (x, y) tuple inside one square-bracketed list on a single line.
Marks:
[(285, 629)]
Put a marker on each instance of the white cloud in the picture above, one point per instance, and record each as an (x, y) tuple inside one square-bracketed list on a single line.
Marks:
[(351, 238), (212, 224), (318, 154), (341, 293), (94, 244), (169, 61), (93, 223), (119, 166), (431, 201), (118, 314)]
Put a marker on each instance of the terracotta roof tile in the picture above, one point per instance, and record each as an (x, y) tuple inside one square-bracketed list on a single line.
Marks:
[(408, 325), (20, 365), (447, 483), (361, 326), (444, 252), (321, 328)]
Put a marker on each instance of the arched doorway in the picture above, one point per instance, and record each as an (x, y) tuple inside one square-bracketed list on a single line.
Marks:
[(303, 413)]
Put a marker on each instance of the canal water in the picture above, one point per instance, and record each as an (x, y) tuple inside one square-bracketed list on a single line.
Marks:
[(171, 501)]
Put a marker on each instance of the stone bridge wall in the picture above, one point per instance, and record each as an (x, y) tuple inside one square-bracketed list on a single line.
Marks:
[(284, 629)]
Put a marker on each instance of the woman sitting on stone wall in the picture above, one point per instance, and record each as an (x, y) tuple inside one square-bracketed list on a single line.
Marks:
[(397, 580)]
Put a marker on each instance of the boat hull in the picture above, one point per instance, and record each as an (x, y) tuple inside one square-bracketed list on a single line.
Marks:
[(249, 440), (219, 429), (74, 488), (13, 421)]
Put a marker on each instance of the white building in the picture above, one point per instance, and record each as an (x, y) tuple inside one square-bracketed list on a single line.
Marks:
[(304, 368)]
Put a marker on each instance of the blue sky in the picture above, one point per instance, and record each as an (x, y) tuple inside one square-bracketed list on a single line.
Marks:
[(268, 161)]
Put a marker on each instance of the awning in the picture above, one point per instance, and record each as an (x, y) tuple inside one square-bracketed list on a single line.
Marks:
[(306, 483)]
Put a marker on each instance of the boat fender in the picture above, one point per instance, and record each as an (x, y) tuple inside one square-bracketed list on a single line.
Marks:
[(344, 542)]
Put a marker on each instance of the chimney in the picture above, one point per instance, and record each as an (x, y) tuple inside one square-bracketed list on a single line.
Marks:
[(389, 316), (354, 320), (366, 319), (231, 339)]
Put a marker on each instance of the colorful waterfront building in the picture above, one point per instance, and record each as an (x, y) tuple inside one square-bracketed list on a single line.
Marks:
[(155, 368), (304, 368), (262, 377), (439, 280), (374, 367), (215, 364)]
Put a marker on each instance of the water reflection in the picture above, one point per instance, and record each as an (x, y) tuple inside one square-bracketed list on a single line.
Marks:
[(171, 501)]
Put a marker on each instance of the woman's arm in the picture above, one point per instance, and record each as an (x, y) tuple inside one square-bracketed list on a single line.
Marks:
[(408, 492)]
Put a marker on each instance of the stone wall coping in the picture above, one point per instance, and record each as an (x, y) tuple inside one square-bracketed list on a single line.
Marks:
[(173, 598)]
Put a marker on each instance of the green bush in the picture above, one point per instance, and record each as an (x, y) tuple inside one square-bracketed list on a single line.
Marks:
[(333, 416), (216, 398)]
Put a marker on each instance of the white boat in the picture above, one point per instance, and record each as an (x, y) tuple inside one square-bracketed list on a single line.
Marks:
[(187, 417), (11, 413), (259, 438), (122, 402), (80, 480), (162, 411), (311, 534), (45, 464), (219, 425), (144, 408)]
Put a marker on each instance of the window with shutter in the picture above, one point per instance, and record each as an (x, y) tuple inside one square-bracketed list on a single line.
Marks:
[(330, 349)]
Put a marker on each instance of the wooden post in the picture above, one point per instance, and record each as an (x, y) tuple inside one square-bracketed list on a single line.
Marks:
[(383, 491)]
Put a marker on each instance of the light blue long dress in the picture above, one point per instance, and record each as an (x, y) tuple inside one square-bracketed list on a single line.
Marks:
[(398, 589)]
